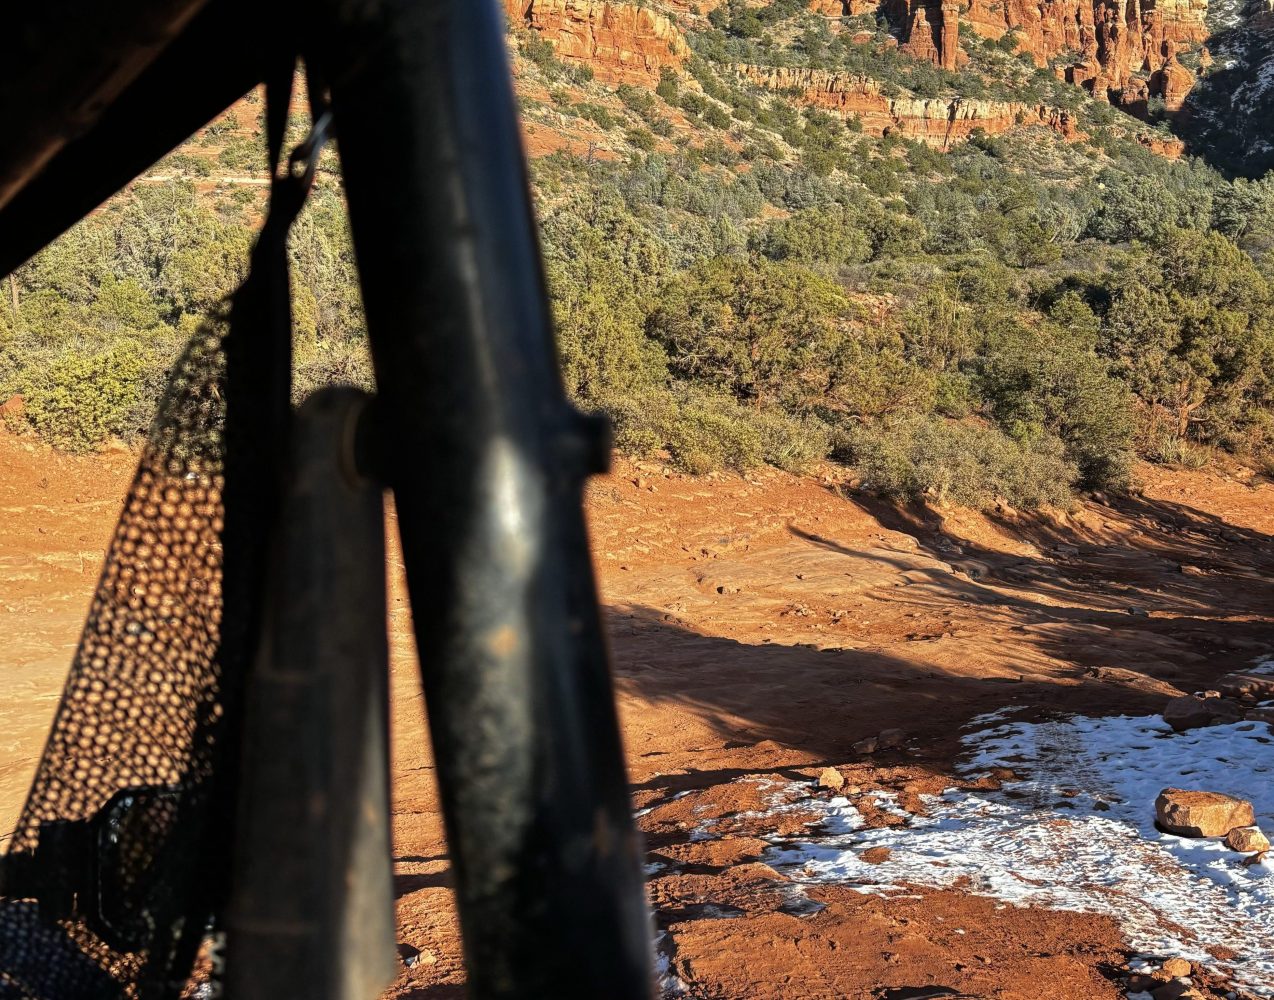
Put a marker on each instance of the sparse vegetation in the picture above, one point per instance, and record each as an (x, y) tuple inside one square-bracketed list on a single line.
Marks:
[(1014, 318)]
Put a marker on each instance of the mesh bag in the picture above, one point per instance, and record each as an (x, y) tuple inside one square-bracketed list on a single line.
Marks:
[(142, 710), (119, 864)]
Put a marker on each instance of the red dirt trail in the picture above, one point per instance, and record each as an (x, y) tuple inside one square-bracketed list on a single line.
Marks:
[(761, 626)]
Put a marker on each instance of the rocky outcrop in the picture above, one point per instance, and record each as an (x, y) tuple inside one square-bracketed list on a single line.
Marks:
[(1201, 814), (920, 43), (1172, 81), (937, 121), (621, 42), (949, 34), (931, 29), (1172, 149), (1194, 711), (1113, 42), (1246, 839), (1123, 36)]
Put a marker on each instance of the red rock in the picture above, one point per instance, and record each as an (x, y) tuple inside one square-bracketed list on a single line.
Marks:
[(14, 406), (832, 779), (1201, 814), (1256, 687), (890, 739), (949, 34), (920, 44), (621, 42), (1193, 712), (1246, 840), (940, 122), (1172, 81)]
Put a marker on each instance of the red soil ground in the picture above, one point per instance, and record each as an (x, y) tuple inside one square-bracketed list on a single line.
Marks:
[(761, 626)]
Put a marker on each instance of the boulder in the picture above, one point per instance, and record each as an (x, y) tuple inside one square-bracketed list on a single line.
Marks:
[(1176, 968), (1177, 990), (831, 779), (1247, 840), (866, 746), (1194, 712), (1189, 813), (1256, 687), (890, 738)]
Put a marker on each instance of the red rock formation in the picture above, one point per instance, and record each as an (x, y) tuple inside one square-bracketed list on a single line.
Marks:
[(1125, 36), (949, 39), (1172, 81), (933, 30), (1172, 149), (623, 43), (920, 44), (939, 122)]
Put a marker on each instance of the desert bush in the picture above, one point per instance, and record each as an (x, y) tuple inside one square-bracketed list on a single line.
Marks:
[(1036, 385), (759, 331), (930, 458), (78, 400), (700, 432), (791, 443), (1166, 448), (829, 238)]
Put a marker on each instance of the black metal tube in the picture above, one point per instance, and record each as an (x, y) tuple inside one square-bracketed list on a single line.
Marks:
[(61, 65), (312, 913), (487, 459), (215, 61)]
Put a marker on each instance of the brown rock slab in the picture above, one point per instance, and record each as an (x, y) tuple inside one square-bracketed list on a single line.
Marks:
[(1194, 712), (1243, 685), (1176, 990), (1190, 813), (1177, 967), (1247, 839), (890, 738), (869, 745)]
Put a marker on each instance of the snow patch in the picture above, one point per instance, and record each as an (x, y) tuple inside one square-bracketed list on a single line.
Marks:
[(1078, 833)]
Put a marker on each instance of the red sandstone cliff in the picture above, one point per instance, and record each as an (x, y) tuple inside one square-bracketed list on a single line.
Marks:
[(623, 43), (1124, 51), (936, 121), (1115, 43)]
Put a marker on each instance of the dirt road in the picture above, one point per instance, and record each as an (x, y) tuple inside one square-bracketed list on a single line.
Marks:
[(761, 627)]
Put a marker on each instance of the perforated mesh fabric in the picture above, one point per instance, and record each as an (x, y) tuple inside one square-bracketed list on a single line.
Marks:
[(142, 710)]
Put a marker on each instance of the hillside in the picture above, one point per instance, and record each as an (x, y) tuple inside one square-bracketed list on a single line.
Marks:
[(948, 247)]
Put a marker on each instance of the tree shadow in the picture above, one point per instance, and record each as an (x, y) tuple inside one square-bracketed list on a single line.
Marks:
[(1109, 625)]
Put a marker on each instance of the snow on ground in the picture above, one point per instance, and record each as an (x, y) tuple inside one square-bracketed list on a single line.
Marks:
[(1078, 833)]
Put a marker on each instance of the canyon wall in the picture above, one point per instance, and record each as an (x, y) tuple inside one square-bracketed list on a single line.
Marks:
[(1123, 51), (1120, 50), (621, 42), (936, 121)]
